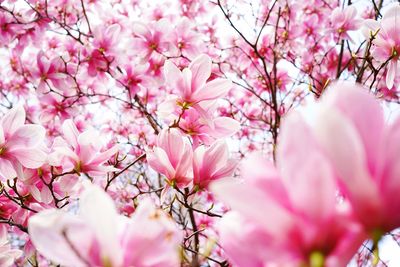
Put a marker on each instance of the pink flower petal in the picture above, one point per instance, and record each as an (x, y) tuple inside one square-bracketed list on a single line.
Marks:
[(201, 70), (305, 168), (12, 120), (213, 90), (26, 136)]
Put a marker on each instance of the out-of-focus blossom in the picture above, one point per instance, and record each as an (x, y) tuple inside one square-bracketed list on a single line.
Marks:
[(51, 75), (364, 151), (153, 38), (186, 40), (344, 20), (98, 236), (54, 105), (290, 215)]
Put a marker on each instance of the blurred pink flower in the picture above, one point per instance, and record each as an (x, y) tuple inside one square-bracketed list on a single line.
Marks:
[(51, 75), (98, 236), (290, 215), (364, 151), (343, 21), (152, 38)]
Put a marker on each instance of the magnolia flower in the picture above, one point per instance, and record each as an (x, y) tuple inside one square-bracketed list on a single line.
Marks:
[(152, 39), (386, 44), (206, 128), (186, 40), (364, 151), (53, 105), (81, 152), (106, 38), (20, 145), (98, 236), (51, 73), (345, 20), (289, 215), (211, 164), (192, 84), (172, 157), (105, 46)]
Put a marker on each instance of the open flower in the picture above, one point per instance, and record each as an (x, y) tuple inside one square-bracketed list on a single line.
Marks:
[(386, 44), (20, 145), (81, 152), (98, 236), (51, 73), (344, 20), (191, 83)]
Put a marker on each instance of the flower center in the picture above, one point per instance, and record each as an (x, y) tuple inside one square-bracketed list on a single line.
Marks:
[(317, 259), (2, 150)]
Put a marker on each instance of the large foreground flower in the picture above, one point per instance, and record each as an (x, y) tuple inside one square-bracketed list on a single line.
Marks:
[(365, 152), (290, 214), (98, 236)]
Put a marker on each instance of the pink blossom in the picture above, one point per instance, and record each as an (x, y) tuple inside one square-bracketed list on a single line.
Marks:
[(208, 129), (106, 38), (51, 75), (290, 215), (191, 83), (172, 157), (344, 20), (97, 62), (156, 63), (211, 164), (8, 29), (152, 38), (387, 42), (98, 236), (20, 145), (54, 105), (81, 152), (135, 78), (186, 40), (364, 151), (310, 26), (36, 182)]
